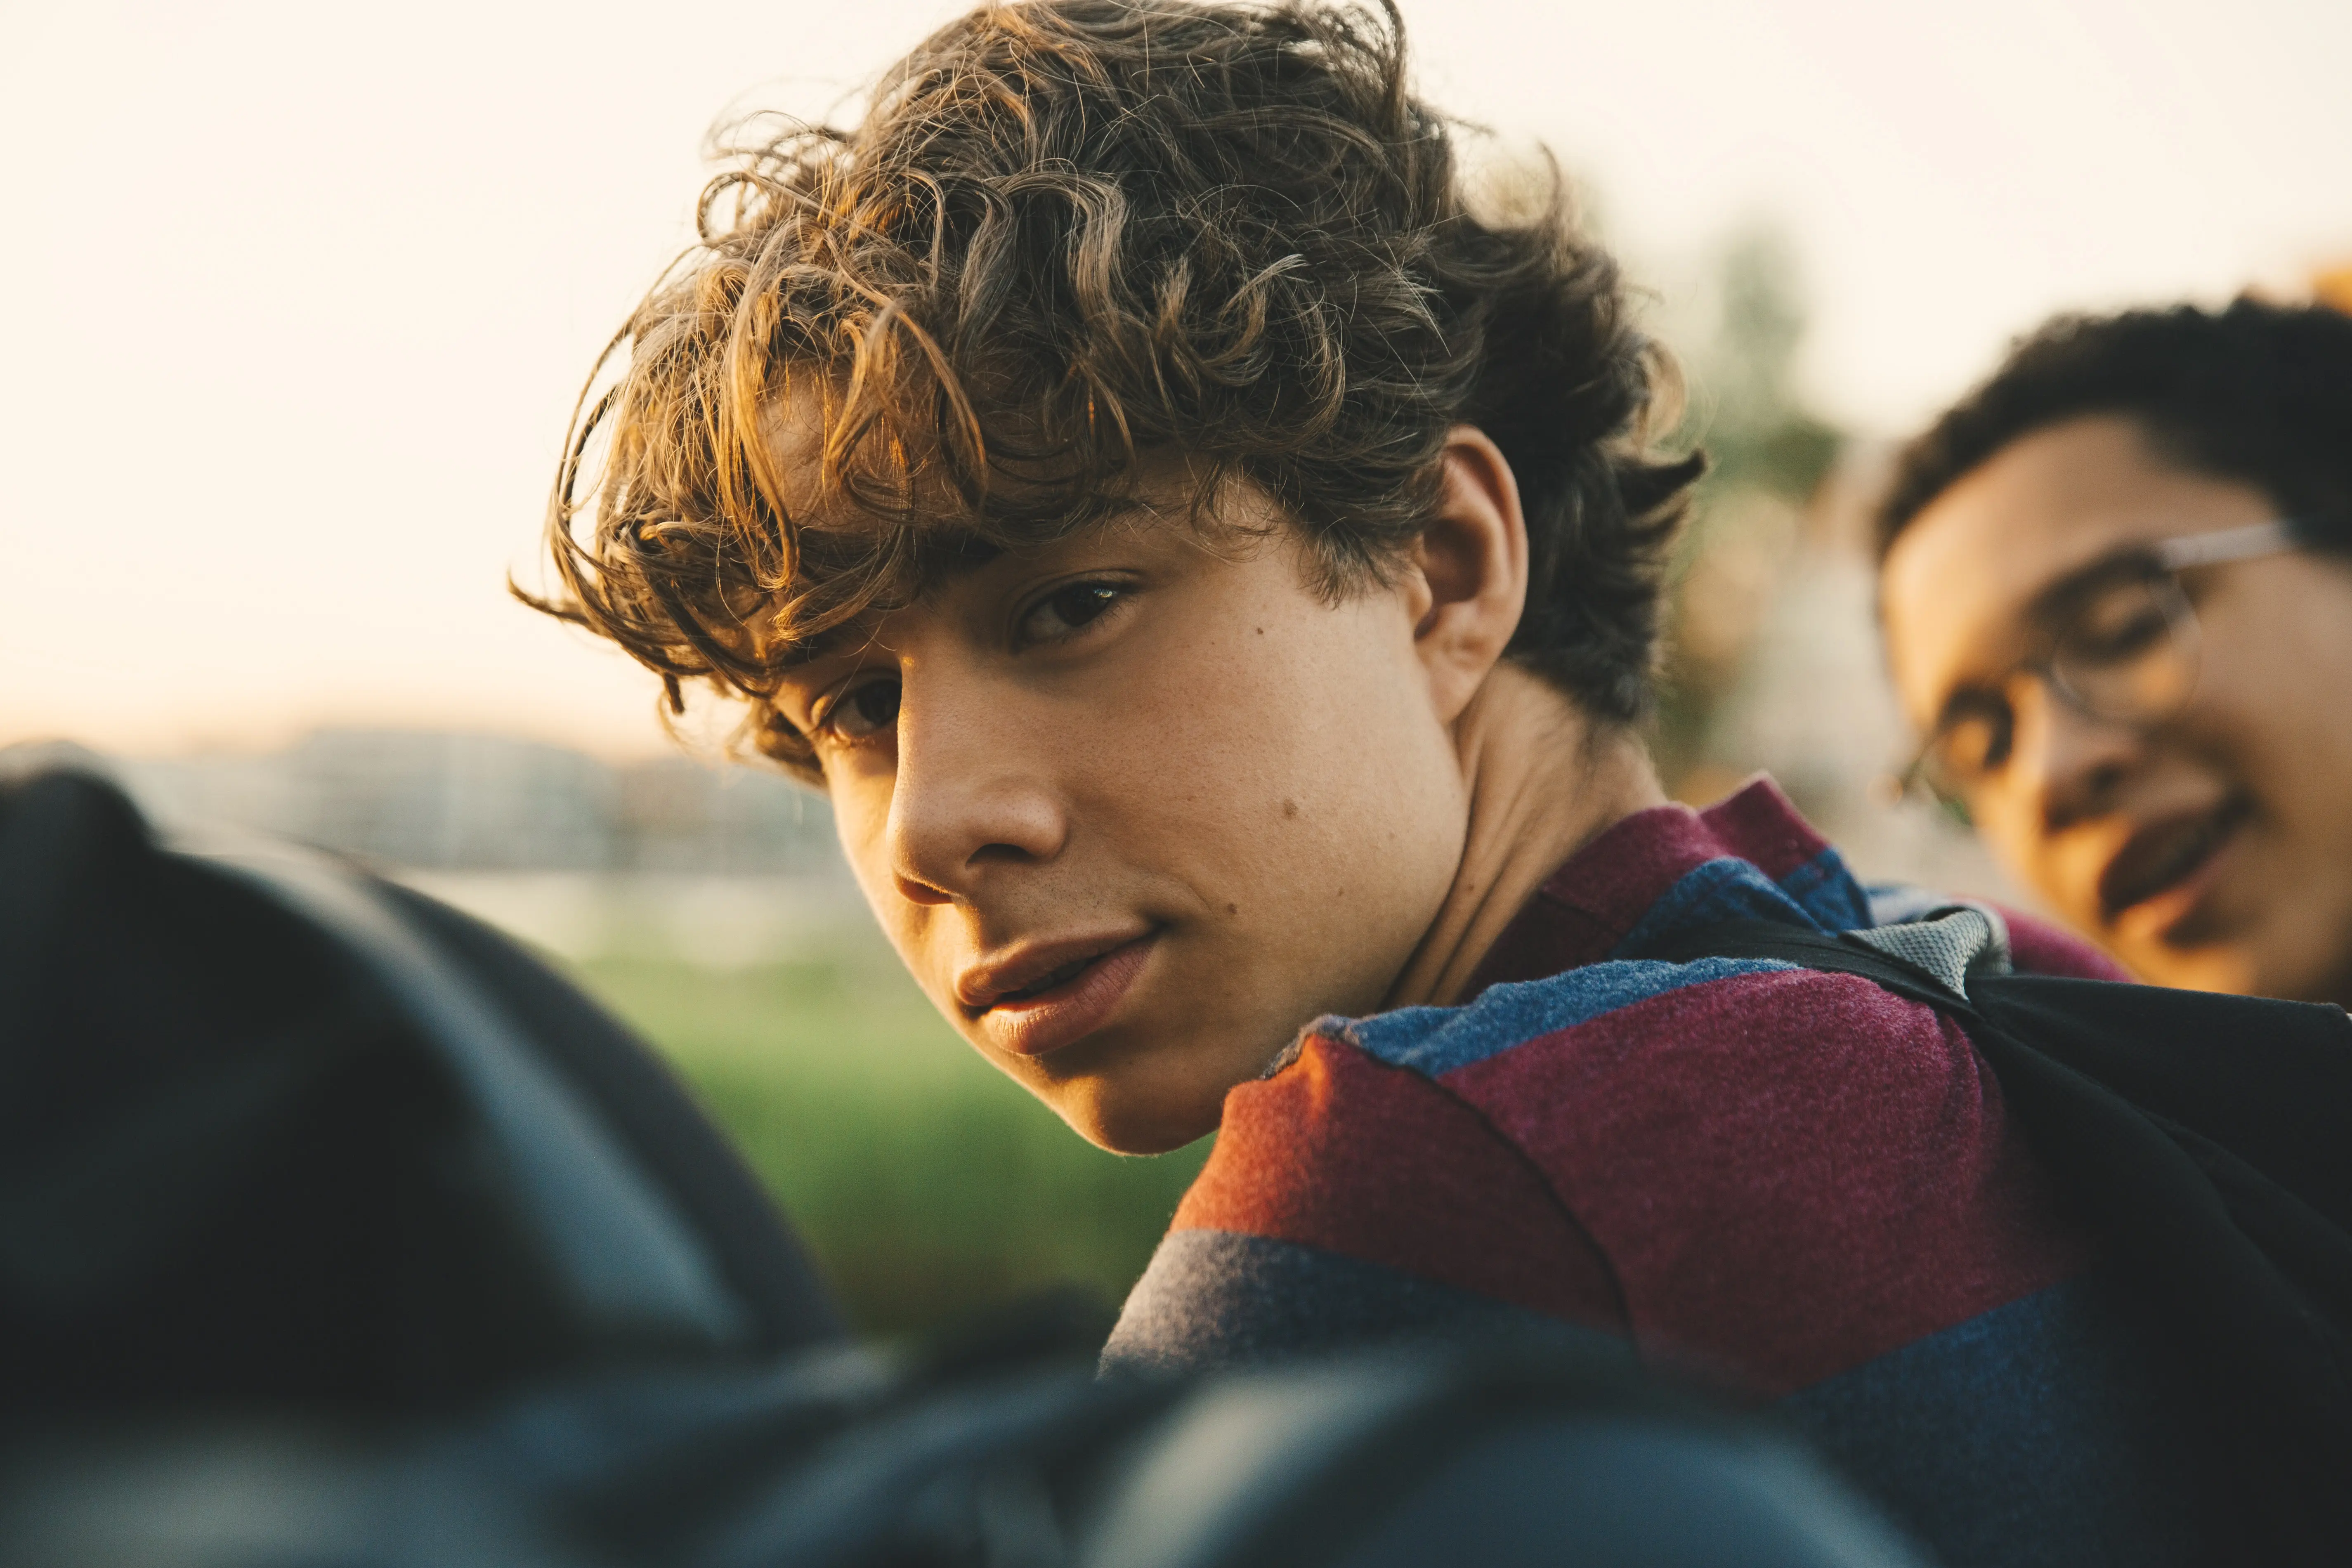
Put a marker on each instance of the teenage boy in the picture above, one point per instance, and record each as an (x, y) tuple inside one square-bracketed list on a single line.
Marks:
[(2116, 584), (1214, 571)]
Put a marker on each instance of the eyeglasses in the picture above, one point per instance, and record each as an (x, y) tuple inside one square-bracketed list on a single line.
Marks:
[(2123, 647)]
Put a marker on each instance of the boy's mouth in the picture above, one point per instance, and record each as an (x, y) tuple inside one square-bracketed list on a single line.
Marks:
[(2156, 877), (1070, 971), (1053, 994)]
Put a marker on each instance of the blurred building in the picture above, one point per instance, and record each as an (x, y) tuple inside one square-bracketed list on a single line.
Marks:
[(1812, 702), (1773, 658), (433, 801)]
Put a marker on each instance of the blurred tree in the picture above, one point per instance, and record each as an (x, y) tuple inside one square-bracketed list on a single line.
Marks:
[(1768, 452), (1757, 432)]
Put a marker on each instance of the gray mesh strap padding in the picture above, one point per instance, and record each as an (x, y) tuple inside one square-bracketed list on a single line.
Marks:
[(1951, 943)]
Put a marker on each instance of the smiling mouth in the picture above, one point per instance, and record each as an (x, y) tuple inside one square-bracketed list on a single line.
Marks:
[(2158, 859), (1046, 982), (1067, 1002)]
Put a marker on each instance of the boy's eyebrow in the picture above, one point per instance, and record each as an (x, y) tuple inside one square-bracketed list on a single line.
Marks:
[(2058, 595), (814, 650), (2053, 599), (947, 556)]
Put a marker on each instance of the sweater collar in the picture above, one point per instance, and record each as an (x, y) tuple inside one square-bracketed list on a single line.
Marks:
[(1750, 853)]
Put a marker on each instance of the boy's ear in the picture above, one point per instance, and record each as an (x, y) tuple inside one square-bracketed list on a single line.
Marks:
[(1472, 565)]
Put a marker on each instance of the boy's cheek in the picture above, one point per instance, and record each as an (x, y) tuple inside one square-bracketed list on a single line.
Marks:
[(859, 819)]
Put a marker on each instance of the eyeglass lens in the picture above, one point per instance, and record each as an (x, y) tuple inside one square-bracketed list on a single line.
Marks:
[(2128, 653)]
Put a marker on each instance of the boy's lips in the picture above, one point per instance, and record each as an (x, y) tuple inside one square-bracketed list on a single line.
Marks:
[(2163, 870), (1039, 999)]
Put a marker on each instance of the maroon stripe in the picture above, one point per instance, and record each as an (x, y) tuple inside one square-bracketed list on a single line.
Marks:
[(1341, 1152), (2037, 947), (1757, 823), (1792, 1171), (1585, 909)]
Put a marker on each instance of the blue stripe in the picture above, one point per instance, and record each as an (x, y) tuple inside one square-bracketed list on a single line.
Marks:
[(1435, 1041), (1820, 895), (1825, 889), (1720, 890), (2056, 1429)]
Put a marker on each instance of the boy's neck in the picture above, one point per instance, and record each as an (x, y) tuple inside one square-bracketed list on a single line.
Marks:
[(1544, 781)]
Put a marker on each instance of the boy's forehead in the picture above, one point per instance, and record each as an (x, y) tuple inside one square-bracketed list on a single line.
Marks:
[(946, 552), (878, 521)]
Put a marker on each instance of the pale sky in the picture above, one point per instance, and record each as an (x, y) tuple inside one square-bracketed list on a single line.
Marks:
[(302, 294)]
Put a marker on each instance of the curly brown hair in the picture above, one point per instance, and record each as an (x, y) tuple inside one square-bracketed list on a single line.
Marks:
[(2257, 392), (1069, 234)]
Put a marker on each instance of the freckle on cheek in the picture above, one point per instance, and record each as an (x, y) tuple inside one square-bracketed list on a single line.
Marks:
[(1232, 908), (1290, 808)]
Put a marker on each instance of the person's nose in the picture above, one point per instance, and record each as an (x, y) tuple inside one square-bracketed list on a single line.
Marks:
[(2072, 761), (972, 795)]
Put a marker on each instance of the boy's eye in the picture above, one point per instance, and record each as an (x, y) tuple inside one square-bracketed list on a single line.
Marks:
[(2121, 625), (863, 710), (1976, 743), (1065, 609)]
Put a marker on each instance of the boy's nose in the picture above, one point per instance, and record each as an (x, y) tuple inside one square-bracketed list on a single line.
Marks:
[(971, 799), (2071, 760)]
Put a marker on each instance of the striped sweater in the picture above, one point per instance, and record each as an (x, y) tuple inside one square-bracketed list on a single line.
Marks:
[(1794, 1180)]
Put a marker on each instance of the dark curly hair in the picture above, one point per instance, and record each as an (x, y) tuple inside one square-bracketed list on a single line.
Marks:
[(1069, 233), (2256, 392)]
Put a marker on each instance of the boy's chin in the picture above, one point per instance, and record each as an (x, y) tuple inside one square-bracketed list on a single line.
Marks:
[(1128, 1120)]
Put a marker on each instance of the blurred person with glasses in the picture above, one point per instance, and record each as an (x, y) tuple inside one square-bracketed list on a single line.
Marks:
[(2116, 584)]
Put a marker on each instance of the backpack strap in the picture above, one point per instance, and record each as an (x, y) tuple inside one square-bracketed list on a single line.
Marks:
[(2216, 1178), (1807, 950)]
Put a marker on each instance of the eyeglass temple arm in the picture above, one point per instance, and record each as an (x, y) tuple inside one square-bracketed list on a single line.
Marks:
[(2244, 543)]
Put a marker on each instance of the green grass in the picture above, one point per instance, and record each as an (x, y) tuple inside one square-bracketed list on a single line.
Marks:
[(929, 1185)]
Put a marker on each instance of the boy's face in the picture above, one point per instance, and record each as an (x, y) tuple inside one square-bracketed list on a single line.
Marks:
[(1137, 806), (2213, 849)]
